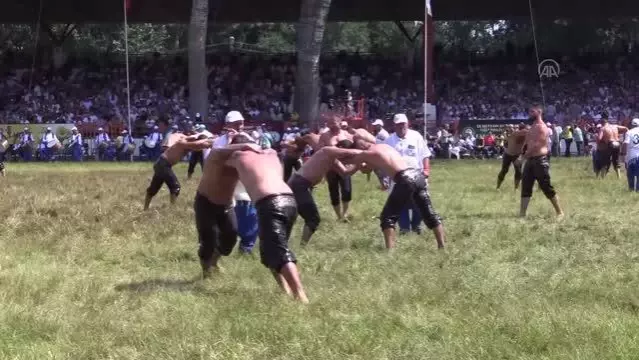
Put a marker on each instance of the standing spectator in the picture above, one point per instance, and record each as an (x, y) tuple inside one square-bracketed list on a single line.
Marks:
[(413, 148), (567, 136), (578, 136)]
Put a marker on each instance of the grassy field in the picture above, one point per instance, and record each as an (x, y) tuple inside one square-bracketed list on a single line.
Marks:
[(84, 274)]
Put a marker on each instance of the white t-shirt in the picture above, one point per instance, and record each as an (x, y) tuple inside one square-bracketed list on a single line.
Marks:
[(221, 142), (381, 136), (632, 143), (412, 147), (240, 193)]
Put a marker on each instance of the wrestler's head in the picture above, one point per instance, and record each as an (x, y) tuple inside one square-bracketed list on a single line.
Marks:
[(345, 144), (333, 121), (535, 112), (242, 138)]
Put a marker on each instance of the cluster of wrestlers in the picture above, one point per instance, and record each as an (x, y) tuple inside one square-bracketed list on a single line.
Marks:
[(277, 201)]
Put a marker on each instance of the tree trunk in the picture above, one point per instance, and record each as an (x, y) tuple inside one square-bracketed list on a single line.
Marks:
[(310, 35), (198, 72)]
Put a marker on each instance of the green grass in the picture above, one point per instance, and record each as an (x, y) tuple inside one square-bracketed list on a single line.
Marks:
[(84, 274)]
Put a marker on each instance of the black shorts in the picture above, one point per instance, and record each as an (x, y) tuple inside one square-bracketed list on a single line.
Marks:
[(410, 184), (336, 184), (306, 206), (276, 215), (537, 168), (163, 174), (216, 227), (505, 166)]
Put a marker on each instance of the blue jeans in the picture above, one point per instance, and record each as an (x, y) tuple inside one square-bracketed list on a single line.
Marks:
[(77, 152), (633, 174), (246, 215), (406, 223)]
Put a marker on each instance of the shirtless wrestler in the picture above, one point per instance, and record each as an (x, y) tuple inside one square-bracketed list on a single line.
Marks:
[(310, 174), (177, 145), (536, 165), (261, 173), (410, 184), (514, 144)]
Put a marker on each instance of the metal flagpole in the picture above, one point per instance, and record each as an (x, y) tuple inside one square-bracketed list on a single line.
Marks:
[(426, 85), (126, 54)]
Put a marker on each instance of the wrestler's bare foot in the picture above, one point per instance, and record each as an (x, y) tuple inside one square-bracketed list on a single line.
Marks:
[(281, 281), (209, 267), (291, 282)]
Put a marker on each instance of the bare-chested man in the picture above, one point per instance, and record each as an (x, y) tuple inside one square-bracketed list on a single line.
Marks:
[(214, 213), (176, 146), (261, 174), (337, 183), (311, 173), (410, 184), (514, 144), (536, 165), (608, 147)]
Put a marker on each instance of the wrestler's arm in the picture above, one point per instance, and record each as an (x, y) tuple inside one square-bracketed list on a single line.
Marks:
[(622, 129), (224, 153), (197, 144)]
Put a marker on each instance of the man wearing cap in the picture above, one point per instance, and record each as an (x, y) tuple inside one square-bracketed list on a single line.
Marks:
[(233, 123), (630, 150), (198, 156), (76, 145), (101, 138), (245, 212), (413, 148), (123, 153), (46, 152), (380, 137), (156, 138), (26, 143)]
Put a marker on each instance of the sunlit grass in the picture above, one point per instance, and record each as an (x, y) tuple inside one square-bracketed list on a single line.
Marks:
[(85, 274)]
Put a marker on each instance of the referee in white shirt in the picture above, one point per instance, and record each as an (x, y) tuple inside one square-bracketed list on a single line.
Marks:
[(630, 149), (245, 212), (413, 148)]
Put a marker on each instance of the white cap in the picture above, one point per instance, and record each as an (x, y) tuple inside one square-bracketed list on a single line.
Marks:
[(378, 122), (155, 127), (26, 129), (548, 124), (598, 126), (635, 122), (48, 128), (125, 131), (400, 119), (233, 116), (74, 129), (100, 129)]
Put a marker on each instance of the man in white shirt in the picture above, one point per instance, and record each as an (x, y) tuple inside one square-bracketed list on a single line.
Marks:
[(245, 212), (413, 148), (378, 130), (101, 143), (46, 147), (630, 149), (380, 137), (76, 144)]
